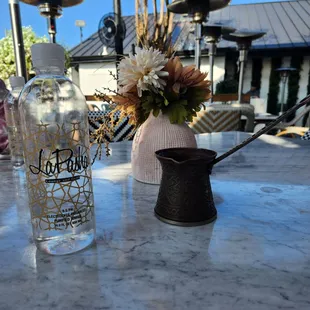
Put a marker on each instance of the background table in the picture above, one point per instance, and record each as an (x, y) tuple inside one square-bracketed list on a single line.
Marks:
[(254, 256)]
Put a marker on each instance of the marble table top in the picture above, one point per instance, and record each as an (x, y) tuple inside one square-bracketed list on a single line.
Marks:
[(255, 256)]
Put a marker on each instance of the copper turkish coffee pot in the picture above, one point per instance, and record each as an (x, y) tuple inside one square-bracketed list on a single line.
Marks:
[(185, 196)]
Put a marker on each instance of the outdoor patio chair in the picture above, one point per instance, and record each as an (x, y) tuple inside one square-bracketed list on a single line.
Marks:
[(245, 109), (293, 131), (290, 128), (248, 111), (215, 119), (122, 130)]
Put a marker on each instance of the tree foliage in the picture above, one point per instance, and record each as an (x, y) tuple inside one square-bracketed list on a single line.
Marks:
[(7, 58), (227, 87)]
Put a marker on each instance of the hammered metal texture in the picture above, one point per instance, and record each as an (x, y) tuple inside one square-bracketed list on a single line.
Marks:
[(185, 193)]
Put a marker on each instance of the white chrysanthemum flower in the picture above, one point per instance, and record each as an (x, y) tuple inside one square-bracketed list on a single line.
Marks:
[(143, 70)]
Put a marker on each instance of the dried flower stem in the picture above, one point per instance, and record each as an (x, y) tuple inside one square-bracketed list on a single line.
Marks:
[(113, 75), (160, 38), (102, 95), (145, 18), (155, 19)]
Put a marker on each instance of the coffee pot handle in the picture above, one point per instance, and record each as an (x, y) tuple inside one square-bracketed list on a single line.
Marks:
[(265, 129)]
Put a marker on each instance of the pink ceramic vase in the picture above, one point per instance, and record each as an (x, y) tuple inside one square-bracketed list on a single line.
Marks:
[(156, 133)]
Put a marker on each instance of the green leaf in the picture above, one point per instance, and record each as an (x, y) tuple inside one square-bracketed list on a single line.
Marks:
[(156, 112), (171, 96), (7, 60), (166, 101), (182, 102), (177, 113)]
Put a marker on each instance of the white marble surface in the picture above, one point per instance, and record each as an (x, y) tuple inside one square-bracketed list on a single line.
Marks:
[(255, 256)]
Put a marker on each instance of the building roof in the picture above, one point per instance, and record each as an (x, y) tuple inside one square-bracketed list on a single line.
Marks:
[(286, 25)]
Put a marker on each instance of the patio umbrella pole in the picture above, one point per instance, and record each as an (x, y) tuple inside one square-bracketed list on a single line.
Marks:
[(243, 56), (197, 47), (18, 42)]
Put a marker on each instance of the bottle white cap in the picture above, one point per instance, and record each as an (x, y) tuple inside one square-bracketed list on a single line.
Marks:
[(17, 81), (46, 55)]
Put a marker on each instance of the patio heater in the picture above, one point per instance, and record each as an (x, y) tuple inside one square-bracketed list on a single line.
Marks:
[(284, 73), (213, 34), (52, 9), (198, 11), (244, 41)]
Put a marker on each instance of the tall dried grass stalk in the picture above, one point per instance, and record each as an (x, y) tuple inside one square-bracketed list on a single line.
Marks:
[(158, 35)]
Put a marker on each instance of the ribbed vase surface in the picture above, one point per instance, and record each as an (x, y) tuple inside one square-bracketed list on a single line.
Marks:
[(156, 133)]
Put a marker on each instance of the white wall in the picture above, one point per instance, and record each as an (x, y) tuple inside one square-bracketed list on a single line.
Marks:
[(73, 75), (218, 69), (303, 83), (94, 76), (266, 70), (247, 76)]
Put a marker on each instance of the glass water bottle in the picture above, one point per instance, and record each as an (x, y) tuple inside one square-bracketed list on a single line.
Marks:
[(57, 156), (13, 121)]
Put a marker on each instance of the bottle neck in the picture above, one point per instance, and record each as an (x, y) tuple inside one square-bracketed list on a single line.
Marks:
[(49, 71)]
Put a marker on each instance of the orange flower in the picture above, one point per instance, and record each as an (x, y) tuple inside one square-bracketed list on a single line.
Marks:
[(185, 77), (128, 104)]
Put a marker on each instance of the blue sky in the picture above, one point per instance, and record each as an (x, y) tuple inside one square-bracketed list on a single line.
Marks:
[(67, 33)]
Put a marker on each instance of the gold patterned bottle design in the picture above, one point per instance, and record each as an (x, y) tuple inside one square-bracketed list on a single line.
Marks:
[(65, 199)]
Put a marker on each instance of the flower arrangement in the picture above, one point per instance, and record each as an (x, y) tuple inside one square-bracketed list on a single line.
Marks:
[(151, 83)]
